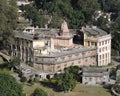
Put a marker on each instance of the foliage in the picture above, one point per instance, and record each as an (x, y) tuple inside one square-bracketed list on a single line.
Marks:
[(9, 86), (116, 86), (36, 79), (115, 30), (74, 70), (31, 81), (110, 5), (23, 79), (39, 92), (66, 82), (34, 15), (8, 21), (113, 73), (102, 22), (75, 12), (88, 7), (15, 62)]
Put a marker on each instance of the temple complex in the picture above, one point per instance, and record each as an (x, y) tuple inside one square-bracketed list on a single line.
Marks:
[(52, 50)]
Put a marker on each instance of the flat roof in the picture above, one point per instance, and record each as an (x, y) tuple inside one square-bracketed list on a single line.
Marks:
[(95, 31), (68, 51)]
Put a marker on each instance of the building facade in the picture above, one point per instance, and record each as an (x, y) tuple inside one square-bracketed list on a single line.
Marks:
[(93, 76), (93, 36)]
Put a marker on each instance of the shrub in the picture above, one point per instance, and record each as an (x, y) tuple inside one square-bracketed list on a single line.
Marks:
[(23, 79)]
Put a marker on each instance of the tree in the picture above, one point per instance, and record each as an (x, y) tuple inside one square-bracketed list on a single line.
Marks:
[(102, 22), (76, 20), (66, 82), (8, 19), (9, 86), (116, 87), (115, 31), (15, 62), (88, 7), (74, 70), (33, 15), (39, 92)]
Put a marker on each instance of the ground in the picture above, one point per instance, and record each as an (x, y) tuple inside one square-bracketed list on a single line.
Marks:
[(80, 90)]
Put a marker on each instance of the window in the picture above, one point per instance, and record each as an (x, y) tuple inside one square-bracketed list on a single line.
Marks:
[(100, 50), (72, 63), (62, 58), (100, 56), (99, 43), (79, 61), (58, 67), (103, 49), (92, 43), (36, 59), (106, 55), (103, 56), (65, 65), (106, 48), (102, 42), (106, 42)]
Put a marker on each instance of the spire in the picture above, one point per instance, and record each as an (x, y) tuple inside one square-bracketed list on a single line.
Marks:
[(64, 31)]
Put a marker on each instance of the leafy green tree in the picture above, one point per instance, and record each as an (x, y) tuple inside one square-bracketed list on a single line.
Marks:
[(8, 19), (101, 22), (110, 5), (39, 92), (34, 15), (61, 10), (74, 70), (76, 20), (88, 7), (9, 86), (66, 82), (115, 31)]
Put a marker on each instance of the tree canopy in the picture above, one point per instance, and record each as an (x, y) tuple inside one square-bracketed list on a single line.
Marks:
[(66, 82), (9, 86), (39, 92), (8, 21), (75, 12)]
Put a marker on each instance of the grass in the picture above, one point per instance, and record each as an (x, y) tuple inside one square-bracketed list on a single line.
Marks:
[(80, 90)]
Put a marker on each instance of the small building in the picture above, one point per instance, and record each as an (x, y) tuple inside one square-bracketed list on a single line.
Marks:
[(93, 76)]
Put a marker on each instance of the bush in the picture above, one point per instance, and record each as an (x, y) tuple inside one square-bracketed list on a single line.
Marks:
[(31, 81), (23, 79), (36, 79), (39, 92)]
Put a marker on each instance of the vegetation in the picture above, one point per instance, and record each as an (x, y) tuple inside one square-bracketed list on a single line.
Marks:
[(39, 92), (79, 90), (8, 21), (74, 70), (9, 86), (116, 86), (66, 82), (23, 79), (15, 62)]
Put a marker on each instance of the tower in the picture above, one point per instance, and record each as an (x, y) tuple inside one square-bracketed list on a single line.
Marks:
[(64, 31)]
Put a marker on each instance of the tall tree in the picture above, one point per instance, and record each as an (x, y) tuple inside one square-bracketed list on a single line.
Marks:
[(88, 7), (66, 82), (8, 19)]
